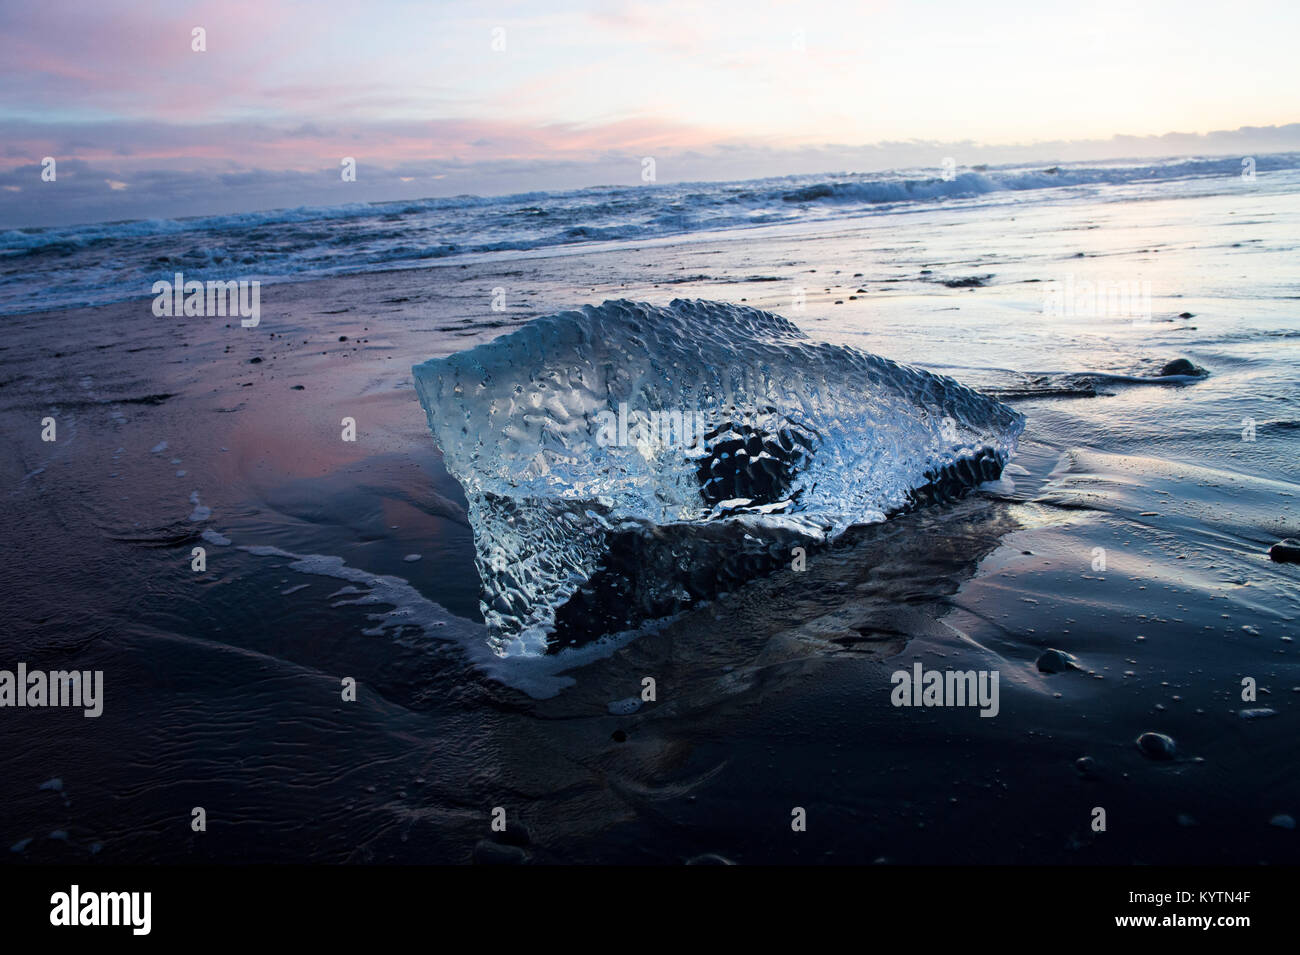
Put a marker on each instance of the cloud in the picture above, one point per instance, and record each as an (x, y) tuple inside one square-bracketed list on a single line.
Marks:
[(143, 143)]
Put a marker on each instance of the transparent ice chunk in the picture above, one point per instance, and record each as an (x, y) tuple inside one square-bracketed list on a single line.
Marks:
[(583, 430)]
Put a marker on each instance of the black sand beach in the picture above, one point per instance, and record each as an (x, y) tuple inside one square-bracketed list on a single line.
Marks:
[(222, 687)]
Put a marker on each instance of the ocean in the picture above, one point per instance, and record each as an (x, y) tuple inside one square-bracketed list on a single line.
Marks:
[(59, 267)]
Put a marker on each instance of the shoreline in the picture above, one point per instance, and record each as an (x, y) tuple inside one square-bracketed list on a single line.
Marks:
[(222, 687)]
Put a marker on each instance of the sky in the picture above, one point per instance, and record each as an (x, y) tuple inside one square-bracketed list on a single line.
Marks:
[(445, 98)]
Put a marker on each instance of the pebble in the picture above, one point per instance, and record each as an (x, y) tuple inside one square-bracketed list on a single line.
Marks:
[(1257, 713), (1179, 366), (1286, 551), (1156, 746), (1056, 661)]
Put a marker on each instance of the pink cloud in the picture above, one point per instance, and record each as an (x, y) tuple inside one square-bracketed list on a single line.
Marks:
[(308, 146)]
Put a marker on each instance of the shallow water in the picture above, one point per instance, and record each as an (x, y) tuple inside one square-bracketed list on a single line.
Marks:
[(223, 687)]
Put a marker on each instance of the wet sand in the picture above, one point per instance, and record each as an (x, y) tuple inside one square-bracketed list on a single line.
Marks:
[(223, 687)]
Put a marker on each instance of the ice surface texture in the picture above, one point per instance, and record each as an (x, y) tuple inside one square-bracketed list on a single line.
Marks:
[(625, 418)]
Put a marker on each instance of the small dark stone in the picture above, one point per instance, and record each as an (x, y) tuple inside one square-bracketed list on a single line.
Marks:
[(487, 852), (1257, 713), (343, 338), (973, 281), (254, 361), (1056, 661), (297, 388), (1286, 551), (619, 736), (1186, 315), (1179, 366), (1086, 765), (1156, 746)]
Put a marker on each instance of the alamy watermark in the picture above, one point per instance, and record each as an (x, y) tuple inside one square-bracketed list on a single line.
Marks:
[(923, 687), (1123, 298), (75, 908), (676, 428), (196, 299), (38, 688)]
